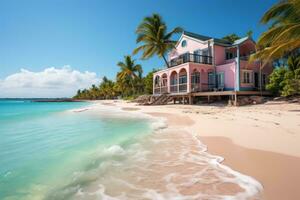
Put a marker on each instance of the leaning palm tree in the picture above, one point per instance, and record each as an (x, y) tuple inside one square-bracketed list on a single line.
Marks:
[(130, 72), (283, 36), (155, 39)]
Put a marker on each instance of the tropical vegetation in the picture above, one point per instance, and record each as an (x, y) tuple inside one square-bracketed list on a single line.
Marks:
[(285, 80), (283, 36), (155, 39), (280, 42), (129, 83)]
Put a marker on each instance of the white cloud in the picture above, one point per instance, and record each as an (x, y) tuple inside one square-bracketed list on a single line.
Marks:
[(51, 82)]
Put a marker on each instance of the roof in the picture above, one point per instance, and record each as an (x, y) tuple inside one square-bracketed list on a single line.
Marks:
[(241, 40), (218, 41)]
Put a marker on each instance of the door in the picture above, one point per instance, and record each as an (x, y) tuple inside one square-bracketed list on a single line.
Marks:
[(256, 80), (211, 81)]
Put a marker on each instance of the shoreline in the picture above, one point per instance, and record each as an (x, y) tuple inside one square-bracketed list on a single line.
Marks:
[(267, 149)]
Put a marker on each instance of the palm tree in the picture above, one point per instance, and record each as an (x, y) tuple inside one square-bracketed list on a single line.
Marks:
[(283, 37), (130, 72), (231, 37), (249, 33), (293, 63), (155, 39), (94, 92)]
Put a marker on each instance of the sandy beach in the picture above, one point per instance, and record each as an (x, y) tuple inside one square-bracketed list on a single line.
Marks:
[(261, 141)]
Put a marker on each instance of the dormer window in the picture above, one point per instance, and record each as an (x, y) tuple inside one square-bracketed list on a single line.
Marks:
[(183, 43)]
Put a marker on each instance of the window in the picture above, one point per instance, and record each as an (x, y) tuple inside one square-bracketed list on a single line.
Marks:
[(247, 77), (197, 56), (220, 79), (157, 81), (183, 43), (174, 80), (182, 79), (229, 55), (185, 57), (205, 54), (196, 77)]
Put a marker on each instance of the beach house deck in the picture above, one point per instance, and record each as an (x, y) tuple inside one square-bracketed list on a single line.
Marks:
[(201, 65)]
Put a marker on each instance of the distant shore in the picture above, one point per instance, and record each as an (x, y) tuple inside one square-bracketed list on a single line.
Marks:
[(57, 100), (43, 99), (261, 141)]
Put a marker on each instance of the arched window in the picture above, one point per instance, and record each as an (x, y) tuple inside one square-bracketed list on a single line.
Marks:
[(182, 76), (164, 80), (195, 78), (157, 81), (173, 79)]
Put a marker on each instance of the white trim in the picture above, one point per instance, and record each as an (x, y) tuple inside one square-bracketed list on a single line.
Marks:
[(250, 76)]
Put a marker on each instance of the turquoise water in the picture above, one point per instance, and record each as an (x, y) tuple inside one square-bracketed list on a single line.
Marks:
[(42, 145)]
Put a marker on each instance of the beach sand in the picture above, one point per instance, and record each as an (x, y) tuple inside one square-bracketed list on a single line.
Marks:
[(261, 141)]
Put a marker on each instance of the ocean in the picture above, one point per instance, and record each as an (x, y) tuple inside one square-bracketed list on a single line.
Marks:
[(43, 145)]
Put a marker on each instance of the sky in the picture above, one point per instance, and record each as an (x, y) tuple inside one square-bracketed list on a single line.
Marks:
[(51, 48)]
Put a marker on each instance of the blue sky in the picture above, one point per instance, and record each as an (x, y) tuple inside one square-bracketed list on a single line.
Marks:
[(93, 35)]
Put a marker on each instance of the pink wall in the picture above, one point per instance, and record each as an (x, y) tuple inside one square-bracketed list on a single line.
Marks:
[(219, 55), (229, 73)]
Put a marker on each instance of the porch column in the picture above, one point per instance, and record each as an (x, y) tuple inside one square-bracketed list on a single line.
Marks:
[(177, 78), (214, 62), (237, 70), (188, 80), (168, 82), (153, 85)]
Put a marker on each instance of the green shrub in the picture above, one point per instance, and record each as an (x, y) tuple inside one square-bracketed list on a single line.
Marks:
[(276, 84)]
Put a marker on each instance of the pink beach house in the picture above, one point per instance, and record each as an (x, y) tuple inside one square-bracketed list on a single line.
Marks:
[(202, 64)]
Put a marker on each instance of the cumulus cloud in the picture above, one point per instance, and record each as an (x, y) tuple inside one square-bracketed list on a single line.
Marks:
[(51, 82)]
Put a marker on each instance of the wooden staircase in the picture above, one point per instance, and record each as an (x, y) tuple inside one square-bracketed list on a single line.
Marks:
[(162, 99)]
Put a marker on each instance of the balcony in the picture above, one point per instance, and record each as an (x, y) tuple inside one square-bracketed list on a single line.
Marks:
[(188, 57)]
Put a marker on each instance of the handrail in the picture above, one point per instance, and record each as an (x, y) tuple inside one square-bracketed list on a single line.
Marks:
[(189, 57)]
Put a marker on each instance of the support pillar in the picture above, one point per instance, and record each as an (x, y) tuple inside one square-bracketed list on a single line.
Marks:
[(237, 79), (190, 99), (235, 99)]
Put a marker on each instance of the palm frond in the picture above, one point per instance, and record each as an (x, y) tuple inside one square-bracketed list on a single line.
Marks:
[(275, 11)]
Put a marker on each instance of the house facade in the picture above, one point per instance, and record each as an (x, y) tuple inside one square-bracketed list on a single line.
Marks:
[(200, 63)]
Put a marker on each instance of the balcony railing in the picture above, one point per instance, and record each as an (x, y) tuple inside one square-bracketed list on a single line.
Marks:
[(196, 87), (173, 88), (164, 89), (188, 57), (161, 90), (183, 87), (157, 90), (178, 88)]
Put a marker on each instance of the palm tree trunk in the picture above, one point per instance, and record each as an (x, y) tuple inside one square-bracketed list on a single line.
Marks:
[(165, 61)]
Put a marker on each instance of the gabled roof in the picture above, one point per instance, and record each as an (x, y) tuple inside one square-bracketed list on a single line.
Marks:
[(242, 40), (205, 38), (218, 41)]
